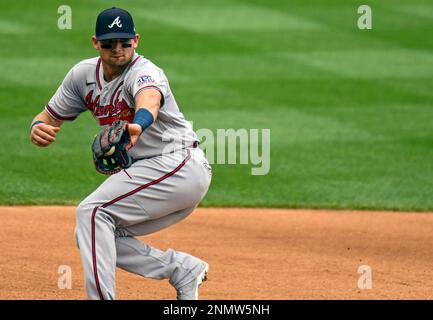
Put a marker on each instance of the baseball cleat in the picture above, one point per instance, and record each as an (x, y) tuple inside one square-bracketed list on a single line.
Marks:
[(190, 290)]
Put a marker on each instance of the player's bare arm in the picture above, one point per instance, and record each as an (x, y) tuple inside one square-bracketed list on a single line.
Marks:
[(150, 100), (44, 129)]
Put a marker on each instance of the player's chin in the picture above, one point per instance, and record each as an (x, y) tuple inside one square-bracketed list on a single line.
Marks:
[(118, 61)]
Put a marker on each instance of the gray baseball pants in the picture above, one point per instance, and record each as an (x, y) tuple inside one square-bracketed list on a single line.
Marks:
[(151, 195)]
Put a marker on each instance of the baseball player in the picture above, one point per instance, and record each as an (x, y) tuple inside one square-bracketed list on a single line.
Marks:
[(158, 174)]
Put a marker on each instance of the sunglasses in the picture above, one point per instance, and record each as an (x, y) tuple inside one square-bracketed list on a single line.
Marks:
[(111, 43)]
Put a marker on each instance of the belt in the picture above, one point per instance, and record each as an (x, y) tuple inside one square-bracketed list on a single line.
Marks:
[(194, 145)]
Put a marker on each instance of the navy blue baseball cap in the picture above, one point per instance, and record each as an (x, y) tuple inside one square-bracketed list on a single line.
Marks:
[(114, 23)]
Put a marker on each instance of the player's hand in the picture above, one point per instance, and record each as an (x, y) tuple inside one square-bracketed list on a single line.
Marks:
[(134, 132), (43, 134)]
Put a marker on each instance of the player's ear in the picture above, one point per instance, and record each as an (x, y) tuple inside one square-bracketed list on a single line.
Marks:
[(95, 43), (135, 41)]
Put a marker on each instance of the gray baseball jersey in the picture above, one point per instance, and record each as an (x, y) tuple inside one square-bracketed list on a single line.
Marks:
[(84, 88), (163, 186)]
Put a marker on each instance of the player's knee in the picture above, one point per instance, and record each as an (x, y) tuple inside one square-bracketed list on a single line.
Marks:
[(83, 212)]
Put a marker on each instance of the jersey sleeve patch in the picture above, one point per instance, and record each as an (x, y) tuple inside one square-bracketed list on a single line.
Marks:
[(145, 80)]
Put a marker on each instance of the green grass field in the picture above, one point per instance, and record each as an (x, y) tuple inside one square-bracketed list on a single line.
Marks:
[(350, 111)]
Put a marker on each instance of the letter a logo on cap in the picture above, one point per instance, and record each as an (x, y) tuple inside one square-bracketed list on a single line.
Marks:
[(116, 22)]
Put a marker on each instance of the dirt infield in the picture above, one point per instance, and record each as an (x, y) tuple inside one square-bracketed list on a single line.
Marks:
[(253, 254)]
